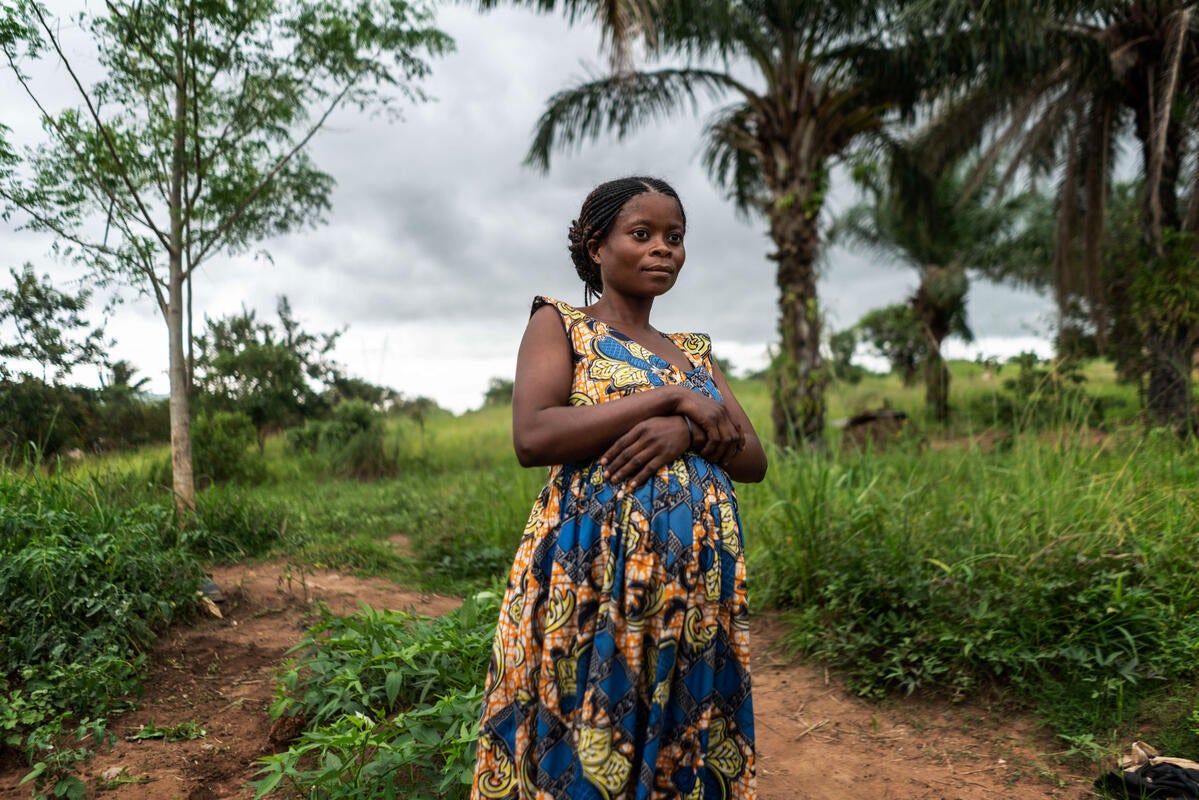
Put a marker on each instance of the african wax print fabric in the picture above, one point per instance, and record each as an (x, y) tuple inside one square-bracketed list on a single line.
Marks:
[(620, 669)]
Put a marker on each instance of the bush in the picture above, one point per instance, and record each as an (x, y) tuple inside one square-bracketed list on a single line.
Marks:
[(350, 444), (1045, 395), (42, 420), (224, 449), (1061, 573), (131, 422), (84, 587), (230, 526)]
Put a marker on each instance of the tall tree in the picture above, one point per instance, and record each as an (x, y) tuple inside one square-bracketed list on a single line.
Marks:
[(195, 140), (1057, 86), (797, 100), (931, 223)]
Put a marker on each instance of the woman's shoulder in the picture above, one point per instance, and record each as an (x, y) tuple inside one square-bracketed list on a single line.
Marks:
[(567, 311)]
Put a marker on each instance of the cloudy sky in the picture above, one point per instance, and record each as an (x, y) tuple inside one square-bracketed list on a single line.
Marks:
[(439, 237)]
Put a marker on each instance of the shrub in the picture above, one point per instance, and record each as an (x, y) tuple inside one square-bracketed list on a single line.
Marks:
[(350, 443), (42, 419), (131, 422), (1059, 572), (1046, 394), (229, 526), (223, 449)]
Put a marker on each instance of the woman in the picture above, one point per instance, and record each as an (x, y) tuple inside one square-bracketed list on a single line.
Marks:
[(621, 661)]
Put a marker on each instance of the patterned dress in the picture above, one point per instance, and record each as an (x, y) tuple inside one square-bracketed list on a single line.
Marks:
[(620, 669)]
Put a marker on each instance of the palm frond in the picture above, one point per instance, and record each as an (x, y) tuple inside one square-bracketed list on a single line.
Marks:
[(1037, 143), (861, 226), (731, 157), (619, 105)]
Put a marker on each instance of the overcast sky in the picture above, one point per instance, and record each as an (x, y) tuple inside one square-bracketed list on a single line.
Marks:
[(439, 238)]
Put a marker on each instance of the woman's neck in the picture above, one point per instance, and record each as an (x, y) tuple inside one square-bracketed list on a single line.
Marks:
[(624, 312)]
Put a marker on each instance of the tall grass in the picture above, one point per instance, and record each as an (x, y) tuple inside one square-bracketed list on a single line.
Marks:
[(1055, 567)]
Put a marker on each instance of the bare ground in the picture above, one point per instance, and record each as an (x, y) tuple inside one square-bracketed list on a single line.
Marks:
[(815, 740)]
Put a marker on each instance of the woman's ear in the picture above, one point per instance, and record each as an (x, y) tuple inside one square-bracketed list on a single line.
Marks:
[(593, 248)]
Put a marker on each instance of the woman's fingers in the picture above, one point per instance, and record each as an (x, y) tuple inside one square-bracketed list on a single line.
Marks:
[(647, 447), (616, 453)]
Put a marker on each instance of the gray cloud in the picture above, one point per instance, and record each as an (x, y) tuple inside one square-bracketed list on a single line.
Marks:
[(439, 237)]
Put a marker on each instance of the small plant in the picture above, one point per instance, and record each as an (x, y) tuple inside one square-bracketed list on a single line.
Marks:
[(84, 586), (392, 704), (1048, 394), (350, 444), (55, 755), (230, 525)]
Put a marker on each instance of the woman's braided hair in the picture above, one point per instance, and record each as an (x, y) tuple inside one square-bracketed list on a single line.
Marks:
[(600, 210)]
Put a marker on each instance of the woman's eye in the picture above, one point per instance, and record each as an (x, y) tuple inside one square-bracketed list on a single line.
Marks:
[(675, 238), (640, 234)]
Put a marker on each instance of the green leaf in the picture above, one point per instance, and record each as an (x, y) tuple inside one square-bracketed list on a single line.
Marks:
[(392, 685)]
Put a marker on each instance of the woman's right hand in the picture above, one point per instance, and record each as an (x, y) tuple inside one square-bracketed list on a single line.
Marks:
[(717, 436)]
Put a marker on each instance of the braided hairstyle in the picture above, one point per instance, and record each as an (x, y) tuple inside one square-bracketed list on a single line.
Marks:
[(599, 212)]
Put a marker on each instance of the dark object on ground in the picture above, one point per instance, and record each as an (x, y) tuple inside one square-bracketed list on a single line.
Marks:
[(875, 429), (212, 592), (1148, 775)]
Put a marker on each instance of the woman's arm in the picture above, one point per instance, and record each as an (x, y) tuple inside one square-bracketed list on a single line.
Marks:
[(748, 465), (546, 429)]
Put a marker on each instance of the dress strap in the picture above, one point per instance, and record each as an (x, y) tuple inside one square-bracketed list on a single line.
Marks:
[(567, 311)]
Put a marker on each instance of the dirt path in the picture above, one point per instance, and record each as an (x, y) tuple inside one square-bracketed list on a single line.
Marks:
[(815, 741)]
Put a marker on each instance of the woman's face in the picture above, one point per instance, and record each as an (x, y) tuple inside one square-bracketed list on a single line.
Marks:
[(643, 252)]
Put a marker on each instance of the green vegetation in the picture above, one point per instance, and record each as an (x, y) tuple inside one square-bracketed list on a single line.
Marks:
[(388, 698), (1016, 550), (1051, 567), (208, 156), (85, 583)]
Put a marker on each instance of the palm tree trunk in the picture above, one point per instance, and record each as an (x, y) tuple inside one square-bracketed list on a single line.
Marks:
[(799, 375), (1169, 397), (935, 320)]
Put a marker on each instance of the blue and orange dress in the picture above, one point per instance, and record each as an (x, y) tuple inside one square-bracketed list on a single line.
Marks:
[(620, 669)]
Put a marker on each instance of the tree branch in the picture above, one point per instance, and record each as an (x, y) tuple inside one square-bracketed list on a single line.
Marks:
[(112, 150), (279, 165), (143, 49), (55, 228)]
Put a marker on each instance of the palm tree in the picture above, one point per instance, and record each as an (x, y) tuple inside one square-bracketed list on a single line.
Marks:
[(800, 104), (1057, 86), (928, 222)]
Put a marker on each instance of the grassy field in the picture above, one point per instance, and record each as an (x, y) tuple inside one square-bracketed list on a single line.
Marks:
[(1039, 547)]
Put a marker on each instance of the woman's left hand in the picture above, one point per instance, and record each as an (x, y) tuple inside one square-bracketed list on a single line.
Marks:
[(648, 446)]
